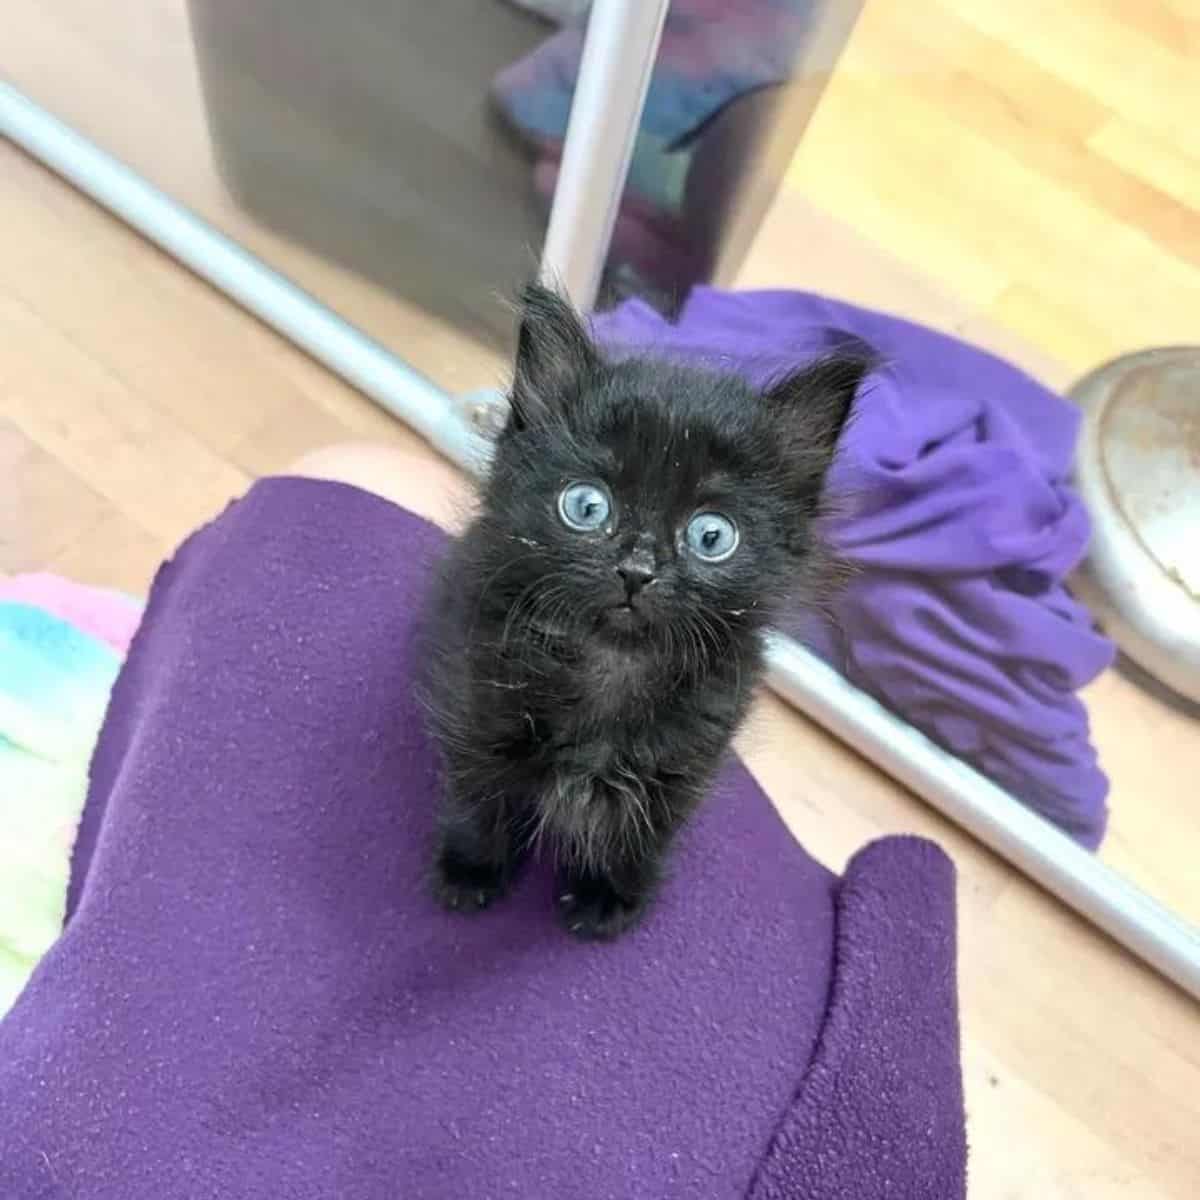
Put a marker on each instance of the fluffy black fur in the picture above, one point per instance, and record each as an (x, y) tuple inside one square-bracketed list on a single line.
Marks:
[(591, 708)]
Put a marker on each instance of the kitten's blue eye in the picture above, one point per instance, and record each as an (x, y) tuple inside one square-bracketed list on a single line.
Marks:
[(711, 536), (584, 506)]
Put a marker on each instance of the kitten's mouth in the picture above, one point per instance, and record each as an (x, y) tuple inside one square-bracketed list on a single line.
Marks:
[(626, 616)]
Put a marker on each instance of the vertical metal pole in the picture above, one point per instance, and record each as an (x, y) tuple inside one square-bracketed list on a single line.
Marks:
[(618, 56)]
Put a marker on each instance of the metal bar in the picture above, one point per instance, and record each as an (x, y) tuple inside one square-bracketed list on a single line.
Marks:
[(271, 297), (1090, 886), (618, 57)]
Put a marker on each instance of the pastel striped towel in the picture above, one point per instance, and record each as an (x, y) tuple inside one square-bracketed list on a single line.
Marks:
[(61, 645)]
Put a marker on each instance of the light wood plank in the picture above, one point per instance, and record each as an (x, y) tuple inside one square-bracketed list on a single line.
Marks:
[(1034, 162)]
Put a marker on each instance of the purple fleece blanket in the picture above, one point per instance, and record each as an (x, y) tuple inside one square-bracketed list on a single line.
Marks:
[(960, 515), (255, 997)]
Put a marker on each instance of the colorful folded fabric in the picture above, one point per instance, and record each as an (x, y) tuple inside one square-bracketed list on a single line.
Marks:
[(711, 53), (60, 649), (104, 613)]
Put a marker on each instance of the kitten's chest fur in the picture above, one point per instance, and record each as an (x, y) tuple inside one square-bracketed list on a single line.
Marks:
[(629, 708), (614, 682)]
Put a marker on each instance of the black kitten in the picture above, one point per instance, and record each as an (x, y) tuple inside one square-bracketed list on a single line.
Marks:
[(597, 637)]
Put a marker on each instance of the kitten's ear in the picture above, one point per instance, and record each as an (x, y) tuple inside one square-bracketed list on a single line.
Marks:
[(554, 355), (811, 407)]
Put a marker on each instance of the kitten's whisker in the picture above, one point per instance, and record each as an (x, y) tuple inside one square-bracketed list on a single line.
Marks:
[(722, 636), (515, 612), (487, 586), (540, 595)]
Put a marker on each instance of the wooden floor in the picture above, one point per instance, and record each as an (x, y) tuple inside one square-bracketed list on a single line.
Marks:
[(1025, 175), (1040, 161)]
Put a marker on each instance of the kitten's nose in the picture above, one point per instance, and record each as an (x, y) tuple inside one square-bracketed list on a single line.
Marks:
[(636, 574)]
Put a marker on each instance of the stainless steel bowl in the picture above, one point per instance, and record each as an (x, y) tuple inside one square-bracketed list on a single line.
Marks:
[(1138, 472)]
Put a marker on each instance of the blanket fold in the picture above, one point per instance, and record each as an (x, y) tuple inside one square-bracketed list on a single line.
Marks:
[(255, 996)]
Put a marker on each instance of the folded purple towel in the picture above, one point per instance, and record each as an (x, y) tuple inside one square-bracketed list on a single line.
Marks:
[(255, 996), (963, 523)]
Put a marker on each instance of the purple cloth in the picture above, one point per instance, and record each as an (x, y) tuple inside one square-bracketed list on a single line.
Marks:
[(255, 997), (954, 472)]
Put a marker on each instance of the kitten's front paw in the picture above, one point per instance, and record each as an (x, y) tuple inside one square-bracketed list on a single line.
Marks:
[(466, 887), (594, 911)]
